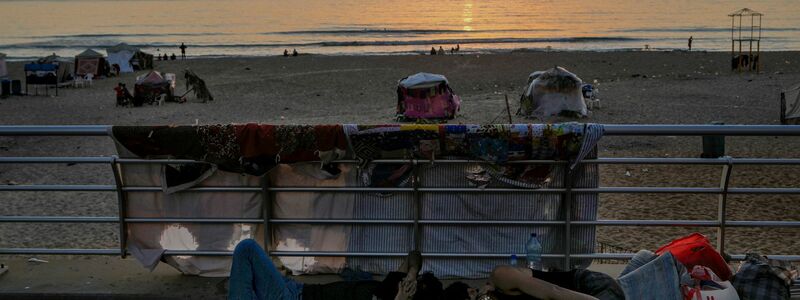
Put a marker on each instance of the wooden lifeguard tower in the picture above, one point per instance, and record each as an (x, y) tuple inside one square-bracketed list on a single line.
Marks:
[(744, 58)]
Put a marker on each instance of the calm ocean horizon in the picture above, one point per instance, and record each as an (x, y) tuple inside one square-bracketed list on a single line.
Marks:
[(35, 28)]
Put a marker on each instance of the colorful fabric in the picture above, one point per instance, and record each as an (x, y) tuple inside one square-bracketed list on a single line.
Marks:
[(762, 278), (248, 148)]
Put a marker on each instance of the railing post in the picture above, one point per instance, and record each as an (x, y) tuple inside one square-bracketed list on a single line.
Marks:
[(266, 203), (567, 205), (415, 184), (121, 203), (722, 202)]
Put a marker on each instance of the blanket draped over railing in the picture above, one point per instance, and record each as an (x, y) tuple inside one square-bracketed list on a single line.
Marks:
[(305, 156)]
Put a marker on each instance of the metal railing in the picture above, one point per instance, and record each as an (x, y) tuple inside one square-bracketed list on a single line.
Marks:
[(721, 223)]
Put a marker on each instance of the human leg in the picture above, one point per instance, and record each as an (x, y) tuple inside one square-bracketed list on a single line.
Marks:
[(254, 276), (516, 281)]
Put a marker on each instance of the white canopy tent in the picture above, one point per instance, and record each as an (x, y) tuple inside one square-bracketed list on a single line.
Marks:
[(121, 55), (422, 80), (3, 67), (553, 92), (790, 105)]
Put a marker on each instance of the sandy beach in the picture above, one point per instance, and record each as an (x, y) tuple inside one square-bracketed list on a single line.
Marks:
[(635, 88)]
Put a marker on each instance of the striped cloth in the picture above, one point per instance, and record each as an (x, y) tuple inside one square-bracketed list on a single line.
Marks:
[(496, 239)]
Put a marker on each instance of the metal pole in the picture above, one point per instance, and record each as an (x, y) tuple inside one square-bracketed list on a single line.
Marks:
[(415, 182), (567, 204), (722, 203), (122, 209), (266, 197)]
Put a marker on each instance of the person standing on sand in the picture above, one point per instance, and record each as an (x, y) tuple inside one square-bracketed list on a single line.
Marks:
[(183, 50), (691, 38), (433, 51)]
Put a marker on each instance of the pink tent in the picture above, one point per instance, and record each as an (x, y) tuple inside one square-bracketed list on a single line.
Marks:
[(426, 96)]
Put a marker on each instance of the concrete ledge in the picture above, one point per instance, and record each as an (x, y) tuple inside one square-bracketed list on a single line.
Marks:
[(67, 278), (101, 278)]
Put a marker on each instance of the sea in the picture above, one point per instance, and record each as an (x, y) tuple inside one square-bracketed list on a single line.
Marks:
[(34, 28)]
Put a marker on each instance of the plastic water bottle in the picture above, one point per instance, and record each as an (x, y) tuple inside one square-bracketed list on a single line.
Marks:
[(533, 251), (513, 261)]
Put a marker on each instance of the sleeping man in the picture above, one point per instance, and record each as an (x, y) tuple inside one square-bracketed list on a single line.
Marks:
[(254, 276)]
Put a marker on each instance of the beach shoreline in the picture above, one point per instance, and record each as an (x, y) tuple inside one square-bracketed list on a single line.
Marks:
[(636, 87)]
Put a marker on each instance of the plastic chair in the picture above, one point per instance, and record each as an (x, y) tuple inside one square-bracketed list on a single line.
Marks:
[(78, 82)]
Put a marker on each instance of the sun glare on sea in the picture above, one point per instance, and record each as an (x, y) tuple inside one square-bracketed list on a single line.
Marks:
[(467, 15)]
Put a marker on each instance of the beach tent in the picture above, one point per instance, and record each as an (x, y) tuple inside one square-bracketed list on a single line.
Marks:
[(149, 88), (426, 96), (50, 72), (65, 70), (553, 92), (790, 106), (3, 67), (90, 62), (129, 58)]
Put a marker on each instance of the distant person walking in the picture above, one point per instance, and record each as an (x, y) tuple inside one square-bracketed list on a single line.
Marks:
[(183, 50), (691, 38)]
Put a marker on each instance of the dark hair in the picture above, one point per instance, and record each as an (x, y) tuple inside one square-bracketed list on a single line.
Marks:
[(456, 291), (428, 287)]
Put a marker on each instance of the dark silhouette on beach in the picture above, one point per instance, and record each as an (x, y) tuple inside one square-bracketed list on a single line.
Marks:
[(183, 50)]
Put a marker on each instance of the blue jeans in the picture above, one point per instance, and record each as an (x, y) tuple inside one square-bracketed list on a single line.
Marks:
[(254, 276)]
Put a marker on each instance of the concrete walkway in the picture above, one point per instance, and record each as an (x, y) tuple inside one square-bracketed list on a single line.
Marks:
[(115, 278)]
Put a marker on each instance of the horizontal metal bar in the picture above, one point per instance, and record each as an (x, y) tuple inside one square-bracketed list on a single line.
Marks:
[(59, 251), (609, 130), (57, 219), (409, 222), (691, 161), (340, 221), (649, 190), (196, 189), (156, 161), (620, 190), (778, 257), (697, 223), (56, 160), (490, 222), (684, 130), (693, 223), (762, 223), (55, 130), (619, 256), (763, 190), (338, 189), (608, 160), (58, 188), (194, 220)]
